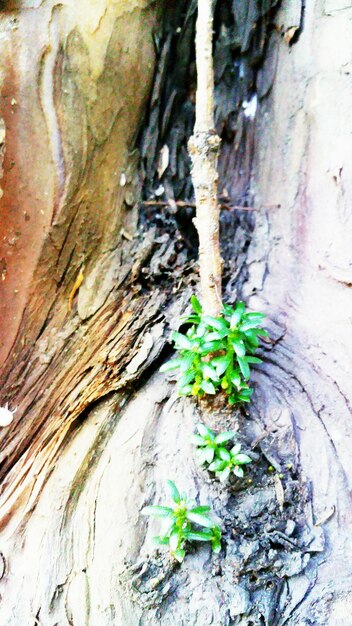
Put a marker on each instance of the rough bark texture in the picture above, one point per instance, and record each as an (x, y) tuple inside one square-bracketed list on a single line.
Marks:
[(69, 110), (98, 431), (303, 271), (71, 114)]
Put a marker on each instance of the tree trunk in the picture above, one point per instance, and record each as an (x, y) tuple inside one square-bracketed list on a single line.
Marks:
[(71, 112), (87, 307)]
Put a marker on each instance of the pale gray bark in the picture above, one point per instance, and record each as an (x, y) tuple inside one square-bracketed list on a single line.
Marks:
[(300, 263)]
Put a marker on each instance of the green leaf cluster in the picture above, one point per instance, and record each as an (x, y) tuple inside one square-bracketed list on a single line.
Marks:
[(216, 352), (184, 524), (213, 453)]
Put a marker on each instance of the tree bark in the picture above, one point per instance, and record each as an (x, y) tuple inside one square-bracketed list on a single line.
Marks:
[(300, 264), (76, 81), (98, 432)]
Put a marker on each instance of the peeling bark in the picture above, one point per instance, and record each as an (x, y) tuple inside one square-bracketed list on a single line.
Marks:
[(70, 194), (69, 110)]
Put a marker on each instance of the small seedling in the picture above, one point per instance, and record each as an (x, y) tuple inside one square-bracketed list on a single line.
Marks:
[(184, 524), (212, 452), (230, 461), (209, 444), (216, 352)]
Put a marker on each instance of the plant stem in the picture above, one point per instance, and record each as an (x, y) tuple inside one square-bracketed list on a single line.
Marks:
[(204, 148)]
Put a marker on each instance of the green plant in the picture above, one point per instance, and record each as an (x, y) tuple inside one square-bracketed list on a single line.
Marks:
[(216, 352), (182, 523), (230, 461), (212, 452)]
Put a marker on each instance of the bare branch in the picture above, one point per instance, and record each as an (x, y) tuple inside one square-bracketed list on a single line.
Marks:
[(204, 150)]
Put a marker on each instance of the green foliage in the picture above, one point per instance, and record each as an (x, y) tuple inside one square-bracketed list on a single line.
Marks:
[(216, 352), (184, 524), (212, 452)]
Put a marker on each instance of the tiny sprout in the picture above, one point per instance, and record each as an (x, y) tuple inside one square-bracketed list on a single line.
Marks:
[(212, 452), (6, 415), (184, 524), (216, 352)]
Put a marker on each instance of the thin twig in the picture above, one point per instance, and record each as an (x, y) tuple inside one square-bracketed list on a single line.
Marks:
[(192, 205), (204, 147)]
